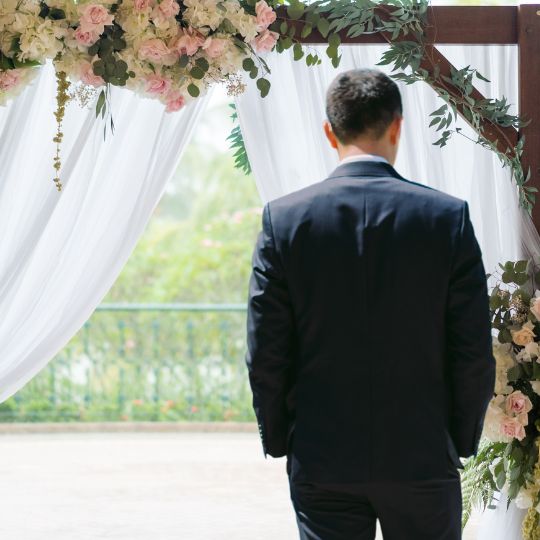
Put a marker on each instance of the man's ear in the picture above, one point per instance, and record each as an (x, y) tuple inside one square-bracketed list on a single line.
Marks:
[(395, 130), (330, 135)]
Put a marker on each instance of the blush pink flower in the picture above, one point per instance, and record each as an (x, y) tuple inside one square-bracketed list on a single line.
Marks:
[(156, 84), (188, 41), (511, 427), (165, 10), (84, 37), (9, 79), (155, 50), (175, 101), (88, 76), (265, 42), (214, 47), (518, 403), (265, 15), (142, 5), (94, 18)]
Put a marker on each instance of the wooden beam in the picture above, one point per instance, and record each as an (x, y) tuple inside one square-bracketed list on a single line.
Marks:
[(529, 90), (466, 25)]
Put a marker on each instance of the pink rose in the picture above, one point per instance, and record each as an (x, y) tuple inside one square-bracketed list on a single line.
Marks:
[(156, 84), (511, 427), (188, 41), (88, 76), (142, 5), (518, 403), (84, 37), (165, 10), (214, 47), (156, 51), (94, 18), (265, 15), (265, 42), (9, 79), (175, 101)]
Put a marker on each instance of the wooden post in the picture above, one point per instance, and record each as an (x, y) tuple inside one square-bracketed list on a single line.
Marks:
[(529, 90)]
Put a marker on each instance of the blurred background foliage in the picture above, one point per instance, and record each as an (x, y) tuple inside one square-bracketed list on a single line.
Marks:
[(168, 364)]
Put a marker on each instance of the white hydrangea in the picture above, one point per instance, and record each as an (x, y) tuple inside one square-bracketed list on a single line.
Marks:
[(201, 13), (41, 42), (245, 23), (504, 361)]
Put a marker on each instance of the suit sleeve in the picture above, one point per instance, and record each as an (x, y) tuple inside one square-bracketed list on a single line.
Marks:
[(270, 335), (471, 366)]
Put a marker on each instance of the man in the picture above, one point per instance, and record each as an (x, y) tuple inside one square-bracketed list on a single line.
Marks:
[(369, 335)]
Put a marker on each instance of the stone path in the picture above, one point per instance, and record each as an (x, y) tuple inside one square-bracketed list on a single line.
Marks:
[(158, 486)]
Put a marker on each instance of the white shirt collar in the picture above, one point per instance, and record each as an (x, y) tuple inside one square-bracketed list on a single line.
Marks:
[(363, 157)]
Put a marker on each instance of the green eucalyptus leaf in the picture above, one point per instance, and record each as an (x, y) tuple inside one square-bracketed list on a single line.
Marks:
[(306, 31), (197, 73), (295, 10), (298, 51), (193, 90), (324, 27), (264, 87), (248, 64), (183, 61), (203, 64)]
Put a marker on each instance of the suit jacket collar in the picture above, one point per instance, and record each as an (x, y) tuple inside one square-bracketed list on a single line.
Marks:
[(364, 168)]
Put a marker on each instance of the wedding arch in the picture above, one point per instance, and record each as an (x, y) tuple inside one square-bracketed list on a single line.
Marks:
[(172, 51)]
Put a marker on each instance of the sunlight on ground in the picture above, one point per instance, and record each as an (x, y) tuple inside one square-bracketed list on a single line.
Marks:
[(159, 486)]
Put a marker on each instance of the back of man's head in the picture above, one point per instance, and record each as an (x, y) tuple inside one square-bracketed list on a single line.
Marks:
[(362, 103)]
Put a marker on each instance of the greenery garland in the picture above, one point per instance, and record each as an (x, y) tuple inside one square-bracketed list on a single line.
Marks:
[(405, 23)]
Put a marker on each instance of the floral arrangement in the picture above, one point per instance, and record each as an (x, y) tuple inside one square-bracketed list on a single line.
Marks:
[(170, 50), (508, 460), (164, 49)]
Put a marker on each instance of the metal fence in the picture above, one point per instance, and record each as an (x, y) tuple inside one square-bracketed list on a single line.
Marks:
[(130, 362)]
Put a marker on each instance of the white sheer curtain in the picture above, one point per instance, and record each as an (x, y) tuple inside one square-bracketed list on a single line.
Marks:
[(60, 253), (287, 149)]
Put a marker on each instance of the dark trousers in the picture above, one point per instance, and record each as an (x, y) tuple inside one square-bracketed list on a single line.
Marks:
[(415, 511)]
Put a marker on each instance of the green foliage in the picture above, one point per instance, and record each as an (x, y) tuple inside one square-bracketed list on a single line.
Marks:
[(477, 484), (405, 22), (241, 159)]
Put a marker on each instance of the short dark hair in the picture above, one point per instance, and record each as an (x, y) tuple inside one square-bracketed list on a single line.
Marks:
[(362, 101)]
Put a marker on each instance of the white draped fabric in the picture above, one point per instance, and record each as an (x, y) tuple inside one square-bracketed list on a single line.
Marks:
[(61, 252), (288, 151)]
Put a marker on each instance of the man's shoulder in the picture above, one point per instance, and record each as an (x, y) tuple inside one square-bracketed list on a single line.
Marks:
[(415, 192)]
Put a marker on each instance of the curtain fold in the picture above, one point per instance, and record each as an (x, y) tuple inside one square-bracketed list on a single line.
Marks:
[(288, 151), (61, 252)]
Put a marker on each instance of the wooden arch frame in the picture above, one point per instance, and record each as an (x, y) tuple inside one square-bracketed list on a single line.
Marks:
[(484, 25)]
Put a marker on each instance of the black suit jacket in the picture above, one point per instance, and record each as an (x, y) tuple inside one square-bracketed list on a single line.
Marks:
[(369, 339)]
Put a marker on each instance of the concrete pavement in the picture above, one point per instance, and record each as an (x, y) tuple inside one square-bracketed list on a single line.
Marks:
[(142, 486)]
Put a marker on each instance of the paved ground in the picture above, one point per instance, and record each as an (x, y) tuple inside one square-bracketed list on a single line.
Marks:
[(159, 486)]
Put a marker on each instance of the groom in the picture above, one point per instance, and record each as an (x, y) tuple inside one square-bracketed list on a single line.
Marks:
[(369, 335)]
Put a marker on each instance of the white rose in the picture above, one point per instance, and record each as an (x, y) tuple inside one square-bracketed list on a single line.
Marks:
[(524, 335), (535, 305), (524, 499), (529, 352), (494, 417)]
